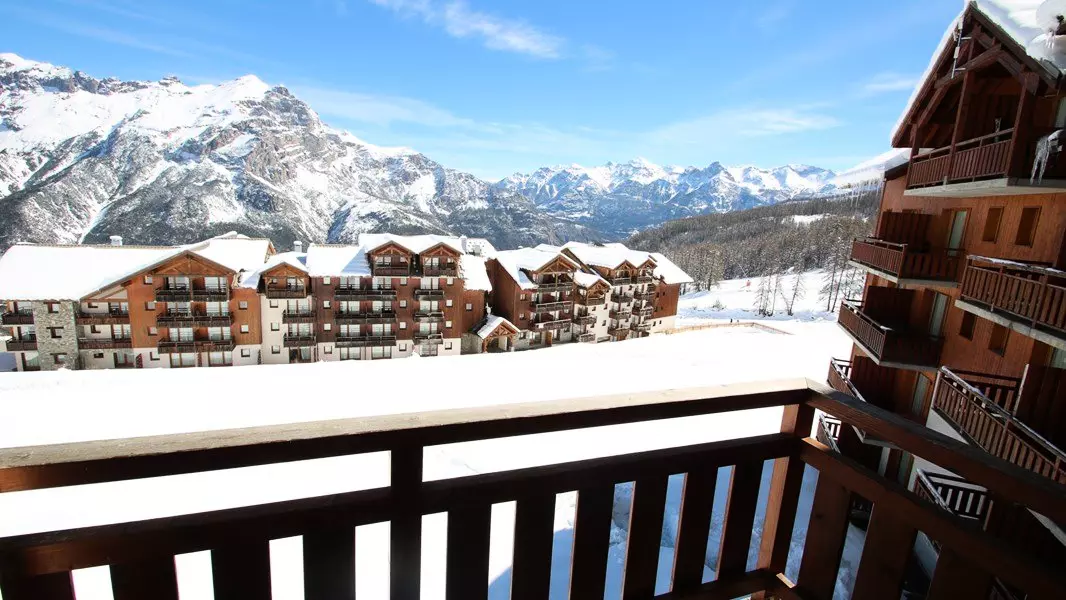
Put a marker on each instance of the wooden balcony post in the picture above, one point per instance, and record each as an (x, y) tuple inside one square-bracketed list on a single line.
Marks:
[(54, 586), (405, 546), (888, 547), (152, 578), (960, 119), (1022, 134)]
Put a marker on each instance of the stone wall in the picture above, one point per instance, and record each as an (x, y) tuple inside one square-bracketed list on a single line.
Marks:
[(67, 343)]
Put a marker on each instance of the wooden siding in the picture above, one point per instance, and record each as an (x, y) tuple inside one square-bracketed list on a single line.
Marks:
[(666, 299), (250, 316)]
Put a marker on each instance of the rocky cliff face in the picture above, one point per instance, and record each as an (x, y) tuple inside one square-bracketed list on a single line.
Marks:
[(161, 162)]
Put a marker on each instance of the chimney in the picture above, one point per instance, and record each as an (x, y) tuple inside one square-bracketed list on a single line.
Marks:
[(116, 240), (297, 246)]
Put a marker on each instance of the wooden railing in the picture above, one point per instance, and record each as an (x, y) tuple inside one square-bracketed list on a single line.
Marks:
[(953, 494), (586, 301), (25, 344), (360, 341), (195, 319), (904, 262), (885, 343), (280, 292), (22, 317), (983, 407), (110, 343), (977, 158), (428, 293), (348, 293), (141, 553), (555, 286), (397, 270), (1031, 293), (544, 307), (298, 341), (586, 337), (828, 431), (445, 271), (298, 316)]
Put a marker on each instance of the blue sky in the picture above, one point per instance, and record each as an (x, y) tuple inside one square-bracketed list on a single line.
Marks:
[(498, 86)]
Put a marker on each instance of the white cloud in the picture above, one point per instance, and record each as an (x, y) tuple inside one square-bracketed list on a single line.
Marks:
[(382, 111), (732, 124), (458, 20), (774, 15), (888, 82)]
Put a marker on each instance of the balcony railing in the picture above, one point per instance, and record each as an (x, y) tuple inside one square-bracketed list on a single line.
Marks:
[(168, 346), (191, 319), (902, 261), (953, 494), (982, 407), (402, 270), (552, 324), (115, 317), (978, 158), (173, 294), (140, 553), (888, 345), (429, 316), (210, 294), (368, 317), (429, 338), (555, 286), (545, 307), (298, 341), (586, 338), (643, 327), (105, 343), (22, 317), (363, 341), (840, 380), (27, 344), (619, 332), (1030, 294), (440, 271), (644, 296), (290, 292), (623, 314), (343, 293), (645, 312), (621, 280), (298, 316), (828, 431), (428, 293), (585, 320), (586, 301)]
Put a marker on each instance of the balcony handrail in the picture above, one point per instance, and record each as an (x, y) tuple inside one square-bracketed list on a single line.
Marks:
[(977, 141), (467, 499), (1007, 418), (999, 263), (298, 313), (856, 307)]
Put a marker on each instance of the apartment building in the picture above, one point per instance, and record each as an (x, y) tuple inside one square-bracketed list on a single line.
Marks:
[(962, 325), (534, 290)]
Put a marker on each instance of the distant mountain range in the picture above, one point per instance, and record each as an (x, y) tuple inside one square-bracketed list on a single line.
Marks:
[(83, 158)]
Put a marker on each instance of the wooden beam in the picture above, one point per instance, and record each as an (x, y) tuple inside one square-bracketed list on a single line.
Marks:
[(1020, 485), (1022, 135), (826, 533), (983, 60), (405, 531), (739, 519), (154, 578), (934, 102), (55, 586), (955, 577), (885, 553), (533, 537), (690, 553), (241, 571), (592, 531), (645, 536), (1028, 573), (468, 552), (329, 564), (783, 500)]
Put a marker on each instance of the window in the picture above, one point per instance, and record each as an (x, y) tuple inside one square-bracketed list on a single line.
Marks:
[(447, 324), (98, 354), (403, 303), (94, 329), (327, 349), (448, 303), (968, 322), (275, 349), (1057, 359), (451, 280), (992, 221), (521, 316), (1027, 226), (148, 280), (273, 304), (153, 331), (60, 359), (246, 353), (325, 281), (403, 347), (56, 332), (521, 296), (447, 345), (325, 304), (403, 324), (152, 356), (243, 305), (275, 327), (244, 329), (403, 281), (91, 304), (149, 306), (469, 306), (997, 342)]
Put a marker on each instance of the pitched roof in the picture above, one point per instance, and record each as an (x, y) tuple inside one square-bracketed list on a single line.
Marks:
[(329, 260), (516, 262), (475, 275), (297, 260), (491, 323), (235, 251), (587, 280), (609, 256), (414, 243), (670, 273)]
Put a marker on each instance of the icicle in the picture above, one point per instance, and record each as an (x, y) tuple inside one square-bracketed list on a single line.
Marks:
[(1048, 145)]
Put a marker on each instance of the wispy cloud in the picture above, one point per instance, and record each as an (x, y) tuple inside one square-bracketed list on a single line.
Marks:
[(772, 16), (379, 110), (883, 83), (458, 20), (732, 124), (102, 34)]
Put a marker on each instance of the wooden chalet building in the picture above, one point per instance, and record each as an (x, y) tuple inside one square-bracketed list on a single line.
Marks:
[(534, 290), (962, 325)]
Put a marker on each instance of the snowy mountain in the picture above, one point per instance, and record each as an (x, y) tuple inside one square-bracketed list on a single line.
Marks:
[(619, 199), (84, 158)]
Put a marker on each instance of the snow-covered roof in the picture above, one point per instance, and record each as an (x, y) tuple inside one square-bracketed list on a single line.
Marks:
[(414, 243), (666, 270), (587, 280), (31, 272), (328, 260), (609, 256), (872, 169), (234, 251), (1029, 23), (490, 325), (298, 260), (475, 275), (516, 262)]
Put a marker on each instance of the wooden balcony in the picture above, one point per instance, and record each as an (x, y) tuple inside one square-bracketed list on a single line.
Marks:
[(104, 318), (644, 279), (623, 314), (428, 338), (546, 307), (586, 301), (887, 346), (440, 271), (550, 324), (343, 293), (904, 264), (140, 553), (173, 294), (621, 280), (555, 286), (827, 431), (982, 407), (953, 494), (644, 296), (210, 295), (1029, 299), (167, 346), (643, 328), (365, 318), (429, 316), (586, 338), (584, 320), (840, 380), (984, 157), (365, 341), (298, 341), (428, 294), (298, 316), (644, 312), (287, 292), (403, 270), (28, 344), (118, 343), (191, 319), (22, 317)]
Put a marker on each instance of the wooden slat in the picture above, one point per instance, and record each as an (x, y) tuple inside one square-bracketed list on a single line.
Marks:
[(1037, 492), (885, 553), (1013, 565), (405, 530), (329, 564), (54, 586), (241, 571), (155, 579), (468, 552), (783, 500), (592, 536), (727, 589), (153, 456), (955, 577), (534, 534), (739, 519), (826, 533), (697, 504), (80, 548), (644, 538)]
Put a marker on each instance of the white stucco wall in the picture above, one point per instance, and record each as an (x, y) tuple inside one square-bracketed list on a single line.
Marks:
[(272, 317)]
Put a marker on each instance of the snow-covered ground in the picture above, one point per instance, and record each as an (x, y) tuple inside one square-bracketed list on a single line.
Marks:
[(37, 408), (734, 299)]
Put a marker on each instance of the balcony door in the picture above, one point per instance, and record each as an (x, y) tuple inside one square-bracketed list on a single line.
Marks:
[(179, 308), (179, 282), (430, 283), (936, 316), (181, 334), (120, 332), (218, 334), (426, 306), (378, 306), (382, 283), (379, 329), (1058, 359), (958, 230), (349, 331), (214, 284), (217, 309)]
